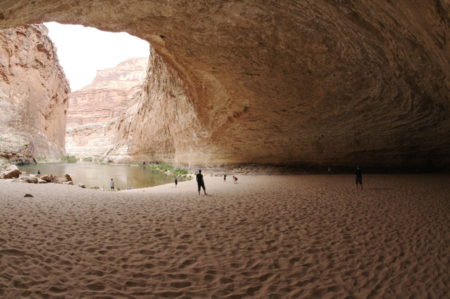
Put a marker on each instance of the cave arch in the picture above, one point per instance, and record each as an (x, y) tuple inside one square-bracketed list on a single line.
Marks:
[(329, 83)]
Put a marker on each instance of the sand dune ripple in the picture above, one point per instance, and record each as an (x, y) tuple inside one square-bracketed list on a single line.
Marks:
[(266, 237)]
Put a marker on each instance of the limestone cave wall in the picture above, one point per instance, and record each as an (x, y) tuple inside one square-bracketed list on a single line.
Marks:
[(33, 95), (323, 82)]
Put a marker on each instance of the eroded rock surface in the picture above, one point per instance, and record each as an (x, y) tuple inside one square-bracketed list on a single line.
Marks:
[(33, 95), (94, 110), (161, 121), (319, 82)]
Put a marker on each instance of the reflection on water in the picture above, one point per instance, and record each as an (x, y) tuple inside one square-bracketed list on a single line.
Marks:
[(92, 175)]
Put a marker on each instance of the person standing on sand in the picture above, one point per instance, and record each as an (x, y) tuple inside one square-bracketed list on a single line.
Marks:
[(224, 177), (200, 182), (111, 184), (358, 177), (235, 179), (176, 182)]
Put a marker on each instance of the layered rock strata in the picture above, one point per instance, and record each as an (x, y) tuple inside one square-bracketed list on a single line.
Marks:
[(33, 95), (161, 120), (297, 82), (94, 110)]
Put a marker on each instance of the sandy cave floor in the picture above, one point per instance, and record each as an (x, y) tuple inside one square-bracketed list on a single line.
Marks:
[(266, 237)]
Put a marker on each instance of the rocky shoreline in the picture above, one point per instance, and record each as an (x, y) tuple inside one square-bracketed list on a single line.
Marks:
[(13, 174)]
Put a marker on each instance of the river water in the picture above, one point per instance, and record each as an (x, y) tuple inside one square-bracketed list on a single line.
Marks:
[(92, 175)]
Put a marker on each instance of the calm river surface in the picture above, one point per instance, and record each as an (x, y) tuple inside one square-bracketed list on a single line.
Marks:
[(91, 175)]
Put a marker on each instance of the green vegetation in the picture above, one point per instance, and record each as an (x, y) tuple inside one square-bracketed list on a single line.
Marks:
[(43, 160), (69, 159), (167, 169), (181, 171), (99, 161), (95, 160)]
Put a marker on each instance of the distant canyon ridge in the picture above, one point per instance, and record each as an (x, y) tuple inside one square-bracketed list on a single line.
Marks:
[(95, 110), (291, 82)]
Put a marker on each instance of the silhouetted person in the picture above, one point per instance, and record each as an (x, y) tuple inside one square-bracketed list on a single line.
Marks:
[(111, 184), (224, 177), (200, 182), (358, 177), (235, 179), (176, 181), (39, 172)]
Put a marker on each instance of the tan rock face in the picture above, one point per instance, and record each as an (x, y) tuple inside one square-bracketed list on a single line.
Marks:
[(94, 110), (161, 121), (297, 82), (33, 95)]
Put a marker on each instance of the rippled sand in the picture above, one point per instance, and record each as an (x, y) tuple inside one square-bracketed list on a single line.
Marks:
[(266, 237)]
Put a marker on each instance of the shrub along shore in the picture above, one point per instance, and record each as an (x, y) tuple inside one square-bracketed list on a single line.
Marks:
[(12, 172)]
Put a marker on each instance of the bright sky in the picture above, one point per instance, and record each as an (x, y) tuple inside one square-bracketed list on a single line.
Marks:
[(84, 50)]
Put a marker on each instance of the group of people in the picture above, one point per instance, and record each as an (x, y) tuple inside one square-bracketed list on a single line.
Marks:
[(201, 182), (199, 178), (235, 179)]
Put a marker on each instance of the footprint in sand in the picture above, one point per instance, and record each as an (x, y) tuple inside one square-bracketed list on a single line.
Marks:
[(178, 276), (135, 283), (97, 286), (186, 263), (140, 275), (181, 284), (58, 290)]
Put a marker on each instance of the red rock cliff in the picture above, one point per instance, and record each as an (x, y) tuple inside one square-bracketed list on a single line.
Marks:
[(33, 95), (298, 82), (94, 110)]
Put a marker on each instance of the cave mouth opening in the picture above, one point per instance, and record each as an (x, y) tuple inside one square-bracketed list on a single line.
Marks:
[(104, 70), (82, 50), (80, 81)]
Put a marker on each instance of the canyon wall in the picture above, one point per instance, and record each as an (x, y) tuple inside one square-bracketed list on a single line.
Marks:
[(33, 95), (95, 109), (161, 121), (323, 82)]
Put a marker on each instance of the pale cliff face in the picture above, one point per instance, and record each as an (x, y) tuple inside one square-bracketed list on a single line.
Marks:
[(124, 76), (297, 82), (94, 110), (161, 121), (33, 95)]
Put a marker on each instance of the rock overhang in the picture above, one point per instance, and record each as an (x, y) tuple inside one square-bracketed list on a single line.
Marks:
[(323, 83)]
